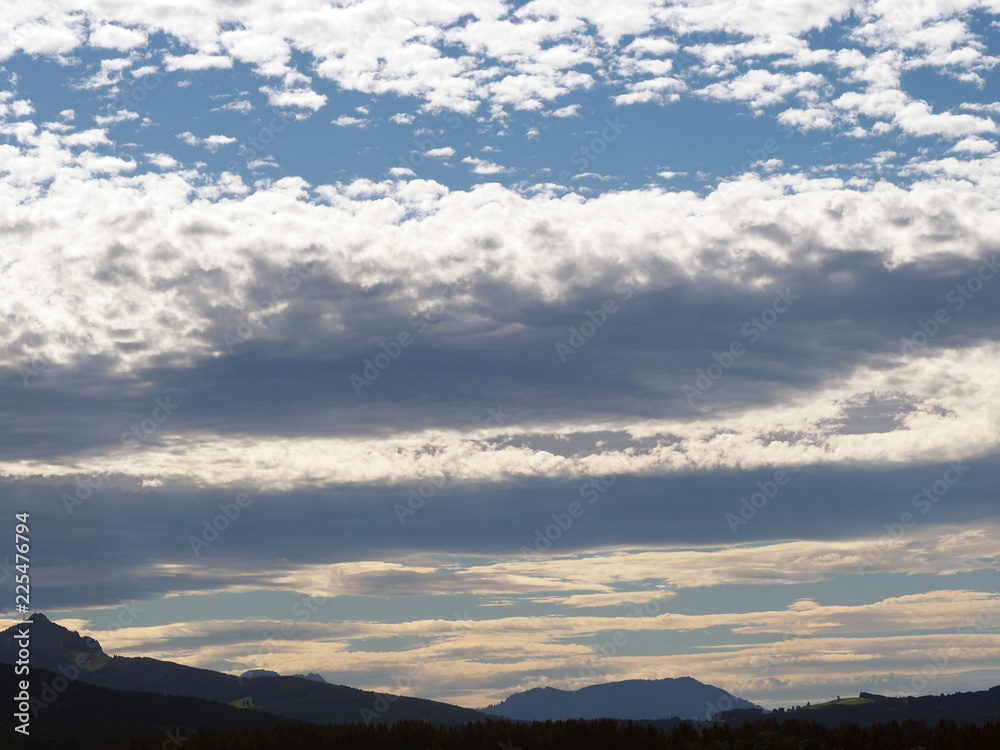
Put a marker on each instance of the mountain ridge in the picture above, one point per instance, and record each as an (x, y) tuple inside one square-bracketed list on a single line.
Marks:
[(60, 650), (637, 699)]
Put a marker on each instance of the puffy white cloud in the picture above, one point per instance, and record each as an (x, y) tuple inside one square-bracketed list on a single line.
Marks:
[(212, 142), (111, 36), (121, 115), (532, 56), (484, 166), (762, 88), (813, 118), (662, 90), (163, 161), (916, 117), (196, 61), (301, 98), (974, 145)]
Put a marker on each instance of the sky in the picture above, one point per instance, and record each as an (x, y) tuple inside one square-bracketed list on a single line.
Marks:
[(458, 348)]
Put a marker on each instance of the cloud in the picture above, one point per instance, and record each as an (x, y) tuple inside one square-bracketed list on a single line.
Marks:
[(974, 145), (301, 98), (763, 88), (484, 166), (662, 90), (441, 386), (347, 121), (196, 61), (240, 105), (111, 73), (110, 36), (212, 142), (652, 46), (119, 116), (163, 161), (571, 110), (917, 118), (813, 118), (526, 59), (841, 641)]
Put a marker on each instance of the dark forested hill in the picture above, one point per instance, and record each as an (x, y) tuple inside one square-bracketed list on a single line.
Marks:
[(58, 649), (63, 709), (962, 708), (682, 697)]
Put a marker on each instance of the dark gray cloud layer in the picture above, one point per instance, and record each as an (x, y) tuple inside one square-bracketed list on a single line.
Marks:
[(104, 551), (487, 345)]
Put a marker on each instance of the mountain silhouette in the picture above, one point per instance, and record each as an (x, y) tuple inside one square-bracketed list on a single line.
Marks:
[(868, 708), (251, 674), (53, 646), (682, 697), (60, 650), (314, 677), (72, 709)]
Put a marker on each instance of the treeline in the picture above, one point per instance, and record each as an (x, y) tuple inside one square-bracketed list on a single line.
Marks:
[(765, 734)]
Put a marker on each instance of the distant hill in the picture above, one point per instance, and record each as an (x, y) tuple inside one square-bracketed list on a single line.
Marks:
[(99, 716), (314, 677), (868, 708), (682, 697), (301, 698), (251, 674), (53, 646)]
